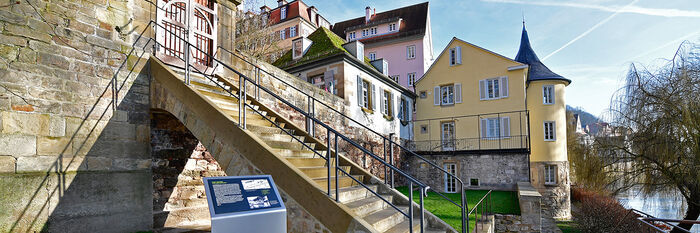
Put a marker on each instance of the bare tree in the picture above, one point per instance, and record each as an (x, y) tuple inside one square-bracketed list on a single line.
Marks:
[(254, 34), (656, 129)]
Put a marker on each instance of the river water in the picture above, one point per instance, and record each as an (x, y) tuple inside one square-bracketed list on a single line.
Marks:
[(660, 205)]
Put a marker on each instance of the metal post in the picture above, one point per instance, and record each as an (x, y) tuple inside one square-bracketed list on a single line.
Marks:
[(410, 206), (422, 210), (114, 92), (328, 159), (240, 102), (465, 219), (478, 128), (257, 81), (245, 99), (500, 137), (336, 168), (386, 172), (391, 157), (310, 113)]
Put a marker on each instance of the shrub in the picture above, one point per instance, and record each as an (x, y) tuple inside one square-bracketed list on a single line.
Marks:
[(602, 213)]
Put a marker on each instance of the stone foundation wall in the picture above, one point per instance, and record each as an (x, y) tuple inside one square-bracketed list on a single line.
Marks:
[(512, 224), (556, 200), (494, 171)]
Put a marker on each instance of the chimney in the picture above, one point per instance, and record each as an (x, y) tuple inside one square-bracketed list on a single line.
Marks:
[(264, 9), (281, 3), (367, 15), (381, 65)]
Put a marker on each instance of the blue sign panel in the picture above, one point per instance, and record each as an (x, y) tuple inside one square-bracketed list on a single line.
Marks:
[(238, 194)]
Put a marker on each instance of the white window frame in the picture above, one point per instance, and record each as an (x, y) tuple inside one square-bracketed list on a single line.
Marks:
[(392, 27), (493, 90), (493, 128), (365, 94), (450, 182), (283, 12), (403, 106), (410, 52), (455, 56), (411, 78), (386, 101), (395, 78), (550, 131), (450, 91), (372, 56), (447, 135), (351, 35), (373, 30), (282, 34), (365, 32), (292, 31), (550, 174), (294, 49), (548, 94)]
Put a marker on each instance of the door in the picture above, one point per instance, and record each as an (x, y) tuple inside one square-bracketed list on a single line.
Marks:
[(447, 137), (450, 181), (175, 17)]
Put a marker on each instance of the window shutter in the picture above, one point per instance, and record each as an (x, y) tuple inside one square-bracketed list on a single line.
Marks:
[(458, 93), (359, 91), (373, 99), (484, 123), (393, 106), (381, 100), (328, 79), (459, 54), (482, 89), (504, 87), (554, 130), (409, 106), (505, 127), (436, 95), (399, 113)]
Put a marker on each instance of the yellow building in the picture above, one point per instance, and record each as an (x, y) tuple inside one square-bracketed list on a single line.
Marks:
[(494, 121)]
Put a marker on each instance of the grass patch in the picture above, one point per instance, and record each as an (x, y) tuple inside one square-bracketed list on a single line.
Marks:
[(567, 227), (503, 202)]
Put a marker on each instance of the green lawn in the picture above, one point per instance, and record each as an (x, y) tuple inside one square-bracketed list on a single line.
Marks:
[(567, 226), (503, 202)]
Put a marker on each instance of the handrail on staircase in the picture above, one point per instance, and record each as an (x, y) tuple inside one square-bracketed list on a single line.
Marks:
[(242, 95), (463, 206)]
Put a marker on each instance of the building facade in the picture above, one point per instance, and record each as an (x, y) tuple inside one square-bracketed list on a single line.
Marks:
[(403, 37), (292, 20), (501, 122), (340, 68)]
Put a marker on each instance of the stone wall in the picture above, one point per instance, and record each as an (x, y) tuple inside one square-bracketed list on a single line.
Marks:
[(512, 224), (556, 200), (494, 171)]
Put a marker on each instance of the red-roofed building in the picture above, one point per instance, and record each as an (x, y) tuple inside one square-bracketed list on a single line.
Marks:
[(291, 20)]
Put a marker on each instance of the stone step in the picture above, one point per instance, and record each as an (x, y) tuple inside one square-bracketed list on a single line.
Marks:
[(282, 137), (308, 162), (403, 227), (366, 206), (248, 113), (291, 145), (299, 153), (222, 97), (195, 218), (386, 219), (209, 85), (185, 203), (231, 105), (261, 122), (354, 193), (343, 181), (321, 171), (268, 129)]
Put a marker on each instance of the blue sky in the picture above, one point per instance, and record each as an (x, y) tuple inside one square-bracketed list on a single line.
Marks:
[(591, 42)]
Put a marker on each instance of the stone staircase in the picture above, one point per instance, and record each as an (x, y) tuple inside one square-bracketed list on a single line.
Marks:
[(364, 204)]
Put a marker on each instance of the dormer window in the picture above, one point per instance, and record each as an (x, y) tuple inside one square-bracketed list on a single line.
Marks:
[(373, 31), (283, 13), (351, 36), (297, 49), (392, 27)]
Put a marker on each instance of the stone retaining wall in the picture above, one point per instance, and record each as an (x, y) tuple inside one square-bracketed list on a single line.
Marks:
[(512, 223)]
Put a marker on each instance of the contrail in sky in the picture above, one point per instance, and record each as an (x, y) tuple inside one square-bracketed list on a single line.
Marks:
[(613, 8), (675, 42), (590, 29)]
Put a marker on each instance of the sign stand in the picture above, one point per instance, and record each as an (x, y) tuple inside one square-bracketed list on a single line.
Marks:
[(248, 204)]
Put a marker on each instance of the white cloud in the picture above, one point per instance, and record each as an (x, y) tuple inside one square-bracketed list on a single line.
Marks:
[(612, 8)]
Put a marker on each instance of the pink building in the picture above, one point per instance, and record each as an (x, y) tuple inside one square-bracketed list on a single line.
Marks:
[(401, 36)]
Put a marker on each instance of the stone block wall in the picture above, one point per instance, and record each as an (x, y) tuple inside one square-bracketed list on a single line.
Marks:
[(494, 171), (512, 224), (556, 198)]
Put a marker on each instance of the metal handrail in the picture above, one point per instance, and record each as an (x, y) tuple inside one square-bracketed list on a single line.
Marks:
[(242, 104), (463, 206), (647, 219), (483, 206)]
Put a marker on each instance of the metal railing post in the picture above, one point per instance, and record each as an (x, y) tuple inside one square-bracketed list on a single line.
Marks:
[(328, 159), (386, 172), (410, 206), (310, 113), (478, 127), (391, 157), (465, 218), (422, 209), (500, 131), (257, 81), (336, 168), (241, 102)]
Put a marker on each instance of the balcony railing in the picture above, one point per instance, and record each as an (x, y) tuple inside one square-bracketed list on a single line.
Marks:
[(473, 133)]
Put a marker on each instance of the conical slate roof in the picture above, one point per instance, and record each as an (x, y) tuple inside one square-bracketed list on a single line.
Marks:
[(537, 70)]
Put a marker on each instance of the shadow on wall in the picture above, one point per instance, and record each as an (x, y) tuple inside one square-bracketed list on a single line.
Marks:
[(101, 180)]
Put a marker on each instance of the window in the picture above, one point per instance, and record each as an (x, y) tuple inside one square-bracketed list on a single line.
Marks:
[(495, 127), (373, 30), (550, 131), (282, 34), (450, 180), (283, 13), (548, 94), (410, 52), (386, 104), (297, 49), (455, 56), (474, 182), (447, 95), (395, 78), (447, 136), (365, 32), (423, 129), (403, 110), (392, 27), (493, 88), (550, 174), (423, 94), (365, 94), (372, 56), (411, 79), (292, 31), (351, 36)]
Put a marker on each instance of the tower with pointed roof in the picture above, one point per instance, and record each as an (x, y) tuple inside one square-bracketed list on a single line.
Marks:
[(546, 103)]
